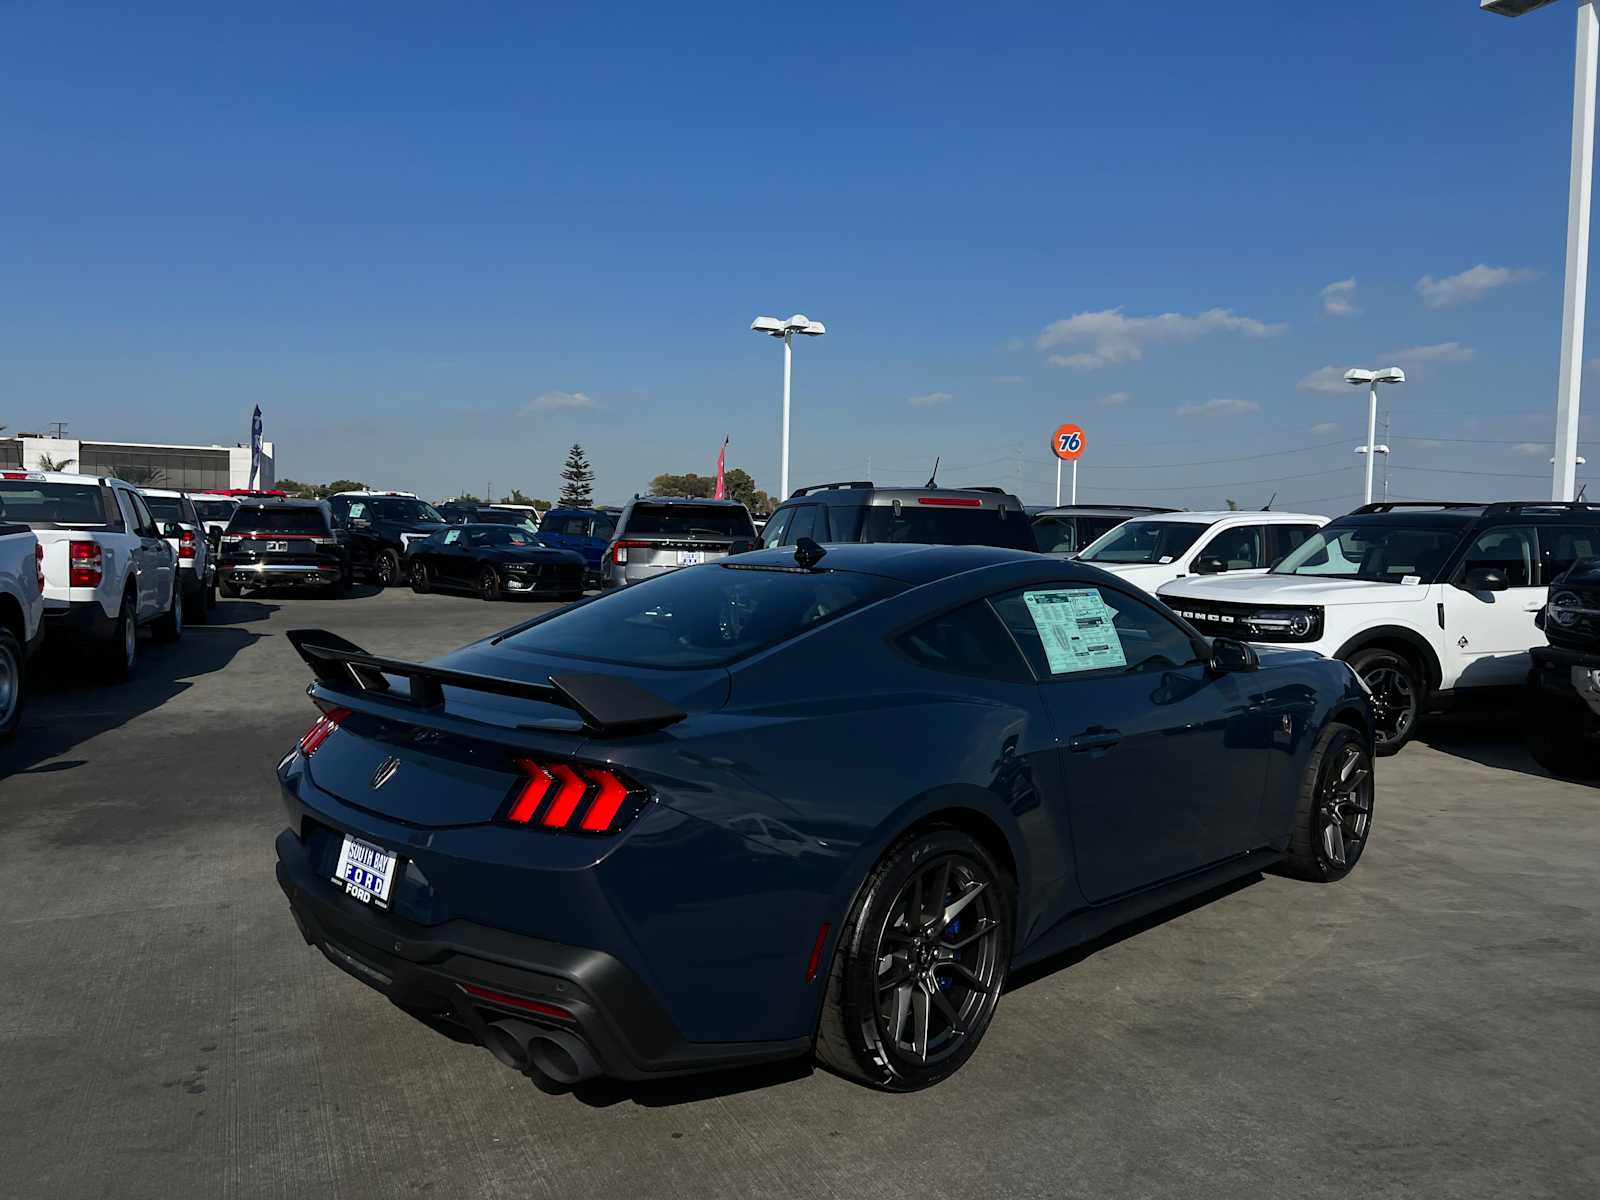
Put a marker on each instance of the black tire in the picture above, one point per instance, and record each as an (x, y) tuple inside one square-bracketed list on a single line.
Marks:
[(195, 607), (228, 589), (13, 683), (421, 584), (168, 627), (859, 1035), (489, 584), (211, 597), (386, 569), (120, 655), (1398, 690), (1560, 737), (1333, 808)]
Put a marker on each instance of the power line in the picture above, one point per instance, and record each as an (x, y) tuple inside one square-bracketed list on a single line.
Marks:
[(1207, 484)]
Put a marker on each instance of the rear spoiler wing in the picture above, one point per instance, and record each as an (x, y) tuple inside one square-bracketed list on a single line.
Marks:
[(608, 706)]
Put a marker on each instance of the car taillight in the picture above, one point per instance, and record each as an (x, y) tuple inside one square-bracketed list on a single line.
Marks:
[(85, 566), (321, 730), (38, 566), (619, 551), (232, 539), (951, 501), (573, 799), (186, 544)]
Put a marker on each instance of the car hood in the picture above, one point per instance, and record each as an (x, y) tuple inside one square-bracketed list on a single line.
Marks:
[(1292, 589), (411, 526), (530, 554), (1145, 575)]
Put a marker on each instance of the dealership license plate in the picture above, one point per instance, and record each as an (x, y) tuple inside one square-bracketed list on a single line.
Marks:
[(366, 871), (691, 558), (277, 547)]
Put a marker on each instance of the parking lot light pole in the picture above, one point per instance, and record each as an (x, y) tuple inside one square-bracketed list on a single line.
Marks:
[(1564, 472), (1371, 379), (799, 323)]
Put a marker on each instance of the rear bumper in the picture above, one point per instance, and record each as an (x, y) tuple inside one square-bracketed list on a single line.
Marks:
[(425, 967), (279, 574), (1569, 678), (79, 620)]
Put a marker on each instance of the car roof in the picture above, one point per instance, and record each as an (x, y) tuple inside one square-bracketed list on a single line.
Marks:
[(687, 500), (280, 502), (908, 562), (1452, 514), (15, 475), (859, 489), (1270, 517), (1102, 510)]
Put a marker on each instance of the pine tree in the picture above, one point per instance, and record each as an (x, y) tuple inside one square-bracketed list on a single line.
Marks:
[(577, 480)]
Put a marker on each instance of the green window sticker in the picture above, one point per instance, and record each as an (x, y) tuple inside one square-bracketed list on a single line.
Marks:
[(1076, 628)]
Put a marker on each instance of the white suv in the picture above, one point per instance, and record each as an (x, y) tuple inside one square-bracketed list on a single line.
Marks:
[(197, 563), (107, 566), (1423, 600), (1150, 551)]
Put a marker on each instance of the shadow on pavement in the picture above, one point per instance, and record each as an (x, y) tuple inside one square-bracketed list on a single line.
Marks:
[(68, 704), (1490, 735)]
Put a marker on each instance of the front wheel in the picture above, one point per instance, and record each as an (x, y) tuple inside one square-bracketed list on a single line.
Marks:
[(13, 679), (920, 964), (420, 582), (1397, 687), (489, 584), (1333, 811)]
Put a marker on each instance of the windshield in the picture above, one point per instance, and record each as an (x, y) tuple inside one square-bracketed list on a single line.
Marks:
[(165, 508), (702, 616), (398, 508), (721, 521), (501, 537), (1144, 542), (500, 516), (215, 510), (48, 505), (1383, 553), (938, 526)]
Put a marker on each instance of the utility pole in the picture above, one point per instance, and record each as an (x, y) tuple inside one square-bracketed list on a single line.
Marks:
[(1386, 419)]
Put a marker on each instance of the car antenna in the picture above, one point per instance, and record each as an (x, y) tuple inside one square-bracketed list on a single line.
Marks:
[(1267, 507), (933, 480), (1578, 499), (807, 553)]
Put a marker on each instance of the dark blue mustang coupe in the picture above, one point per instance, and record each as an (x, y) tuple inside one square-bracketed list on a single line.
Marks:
[(817, 800)]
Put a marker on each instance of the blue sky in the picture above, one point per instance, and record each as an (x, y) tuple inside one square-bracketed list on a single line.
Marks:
[(438, 244)]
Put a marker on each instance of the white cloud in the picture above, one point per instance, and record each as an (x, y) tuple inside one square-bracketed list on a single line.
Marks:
[(1324, 379), (1338, 298), (556, 401), (1111, 337), (1470, 284), (1009, 379), (1114, 400), (1531, 450), (1015, 344), (1219, 408), (1439, 352), (930, 399), (1325, 427)]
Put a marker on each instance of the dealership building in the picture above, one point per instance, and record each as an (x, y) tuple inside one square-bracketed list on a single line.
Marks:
[(147, 464)]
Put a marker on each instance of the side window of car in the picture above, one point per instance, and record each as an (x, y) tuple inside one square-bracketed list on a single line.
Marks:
[(130, 516), (772, 535), (1563, 545), (1239, 548), (804, 525), (603, 527), (967, 641), (147, 523), (1075, 629), (1285, 538), (1508, 548)]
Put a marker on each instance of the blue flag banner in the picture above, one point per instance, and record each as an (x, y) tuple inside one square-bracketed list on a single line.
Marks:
[(255, 447)]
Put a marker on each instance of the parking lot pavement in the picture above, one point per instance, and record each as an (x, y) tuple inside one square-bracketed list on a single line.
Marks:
[(1429, 1028)]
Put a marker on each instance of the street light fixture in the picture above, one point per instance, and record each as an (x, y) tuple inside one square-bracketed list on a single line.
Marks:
[(1383, 450), (1358, 377), (1565, 471), (773, 327)]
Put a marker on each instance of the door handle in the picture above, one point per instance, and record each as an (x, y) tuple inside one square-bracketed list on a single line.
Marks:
[(1094, 738)]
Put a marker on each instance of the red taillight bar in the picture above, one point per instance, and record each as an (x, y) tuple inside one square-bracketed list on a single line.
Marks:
[(619, 550), (569, 790), (85, 566), (951, 501), (38, 566), (533, 1006), (186, 544), (321, 730), (553, 796)]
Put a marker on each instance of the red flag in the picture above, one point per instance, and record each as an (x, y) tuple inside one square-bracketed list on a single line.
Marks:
[(722, 457)]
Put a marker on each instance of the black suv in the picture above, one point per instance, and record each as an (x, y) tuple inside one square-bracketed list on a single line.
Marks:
[(381, 525), (1564, 708), (274, 543), (860, 511)]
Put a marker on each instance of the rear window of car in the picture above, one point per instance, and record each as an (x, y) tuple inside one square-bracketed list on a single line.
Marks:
[(940, 526), (689, 520), (704, 616), (215, 510), (278, 520), (44, 505), (166, 508)]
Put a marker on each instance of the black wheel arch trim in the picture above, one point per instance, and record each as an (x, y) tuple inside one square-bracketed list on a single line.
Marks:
[(1427, 657)]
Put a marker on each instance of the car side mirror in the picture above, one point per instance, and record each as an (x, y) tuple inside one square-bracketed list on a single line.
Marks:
[(1228, 655), (1485, 579), (172, 529), (1209, 566), (743, 545)]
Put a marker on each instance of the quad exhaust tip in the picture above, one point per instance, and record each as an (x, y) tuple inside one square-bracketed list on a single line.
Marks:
[(554, 1054)]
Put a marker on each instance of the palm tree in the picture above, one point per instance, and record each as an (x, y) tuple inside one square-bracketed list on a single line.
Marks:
[(50, 463), (141, 476)]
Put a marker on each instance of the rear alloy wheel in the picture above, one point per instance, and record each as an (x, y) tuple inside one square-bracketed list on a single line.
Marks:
[(387, 568), (121, 653), (920, 965), (420, 583), (169, 626), (1333, 814), (489, 584), (1397, 689), (13, 678)]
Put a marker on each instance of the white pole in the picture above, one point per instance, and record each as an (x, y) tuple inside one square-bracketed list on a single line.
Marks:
[(1058, 483), (1572, 310), (783, 474), (1372, 436), (1074, 481)]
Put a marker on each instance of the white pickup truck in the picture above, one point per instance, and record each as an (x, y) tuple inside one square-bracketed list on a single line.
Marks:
[(107, 566), (21, 616)]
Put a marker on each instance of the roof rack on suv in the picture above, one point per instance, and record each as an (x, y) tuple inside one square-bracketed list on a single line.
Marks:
[(825, 487), (1510, 508), (1383, 506)]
